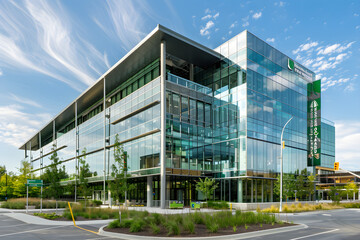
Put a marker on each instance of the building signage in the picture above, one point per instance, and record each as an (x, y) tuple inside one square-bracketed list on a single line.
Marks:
[(195, 205), (293, 66), (314, 123)]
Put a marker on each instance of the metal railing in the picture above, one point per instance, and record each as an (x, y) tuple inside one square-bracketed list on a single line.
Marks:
[(189, 84)]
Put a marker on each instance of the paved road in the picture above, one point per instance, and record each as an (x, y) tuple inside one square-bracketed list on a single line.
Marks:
[(14, 229), (329, 225)]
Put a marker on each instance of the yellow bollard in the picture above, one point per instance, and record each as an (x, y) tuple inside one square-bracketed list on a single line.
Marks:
[(230, 206)]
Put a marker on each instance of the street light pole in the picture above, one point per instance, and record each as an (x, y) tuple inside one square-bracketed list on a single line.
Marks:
[(281, 164)]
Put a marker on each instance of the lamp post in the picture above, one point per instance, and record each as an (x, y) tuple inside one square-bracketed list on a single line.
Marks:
[(281, 163)]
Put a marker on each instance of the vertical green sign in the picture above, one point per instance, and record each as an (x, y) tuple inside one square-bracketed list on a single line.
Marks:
[(314, 123)]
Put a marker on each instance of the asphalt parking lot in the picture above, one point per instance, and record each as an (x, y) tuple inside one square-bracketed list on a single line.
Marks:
[(14, 229)]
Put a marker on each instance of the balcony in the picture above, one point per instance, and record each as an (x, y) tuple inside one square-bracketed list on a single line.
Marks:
[(189, 84)]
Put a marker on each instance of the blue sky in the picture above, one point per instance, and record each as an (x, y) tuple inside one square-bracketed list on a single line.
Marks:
[(50, 51)]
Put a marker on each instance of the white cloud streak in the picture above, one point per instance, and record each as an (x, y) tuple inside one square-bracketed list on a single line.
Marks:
[(257, 15), (37, 36), (271, 40), (205, 30), (25, 101)]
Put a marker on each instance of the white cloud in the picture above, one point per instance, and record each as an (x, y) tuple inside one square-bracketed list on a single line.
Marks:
[(305, 47), (356, 14), (16, 125), (233, 24), (25, 101), (347, 144), (257, 15), (349, 88), (280, 4), (272, 40), (335, 48), (245, 24), (37, 37), (331, 83), (206, 17), (207, 10), (205, 30), (216, 15), (357, 27), (1, 73)]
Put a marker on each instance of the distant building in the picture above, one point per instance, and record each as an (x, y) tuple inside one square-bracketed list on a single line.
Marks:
[(184, 111)]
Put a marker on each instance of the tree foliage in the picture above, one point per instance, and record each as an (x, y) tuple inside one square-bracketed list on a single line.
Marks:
[(207, 187), (119, 185), (83, 173), (303, 183), (52, 176)]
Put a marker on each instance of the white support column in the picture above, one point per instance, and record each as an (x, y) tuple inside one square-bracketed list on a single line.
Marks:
[(191, 72), (76, 149), (163, 125), (240, 191), (149, 193), (104, 110)]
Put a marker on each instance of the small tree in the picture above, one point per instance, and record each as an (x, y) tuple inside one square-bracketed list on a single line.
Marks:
[(311, 185), (289, 185), (53, 175), (350, 189), (119, 185), (207, 187), (335, 193), (84, 172), (21, 180)]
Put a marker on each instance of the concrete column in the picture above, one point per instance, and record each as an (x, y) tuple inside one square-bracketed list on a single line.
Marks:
[(76, 150), (104, 170), (262, 190), (191, 72), (271, 191), (252, 190), (149, 191), (163, 125), (240, 191)]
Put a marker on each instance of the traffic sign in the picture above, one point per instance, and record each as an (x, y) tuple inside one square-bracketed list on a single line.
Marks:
[(34, 183)]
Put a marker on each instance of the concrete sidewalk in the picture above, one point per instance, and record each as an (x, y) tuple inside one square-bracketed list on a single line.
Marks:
[(30, 219), (255, 234), (167, 210)]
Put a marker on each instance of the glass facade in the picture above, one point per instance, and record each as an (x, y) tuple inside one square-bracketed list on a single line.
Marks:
[(223, 121)]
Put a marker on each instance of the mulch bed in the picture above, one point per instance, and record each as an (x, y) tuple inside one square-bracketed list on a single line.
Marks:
[(200, 230)]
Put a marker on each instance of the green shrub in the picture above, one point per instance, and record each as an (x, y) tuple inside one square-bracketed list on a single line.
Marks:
[(188, 224), (158, 218), (179, 219), (126, 223), (234, 229), (173, 228), (213, 228), (218, 205), (155, 229), (104, 216), (114, 224), (137, 225), (198, 218)]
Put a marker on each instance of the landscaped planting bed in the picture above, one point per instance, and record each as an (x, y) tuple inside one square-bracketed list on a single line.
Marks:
[(20, 203), (194, 224)]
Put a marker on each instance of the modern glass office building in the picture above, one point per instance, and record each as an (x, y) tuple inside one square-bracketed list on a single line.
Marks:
[(183, 112)]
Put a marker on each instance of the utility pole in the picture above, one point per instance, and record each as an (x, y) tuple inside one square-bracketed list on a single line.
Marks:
[(282, 145)]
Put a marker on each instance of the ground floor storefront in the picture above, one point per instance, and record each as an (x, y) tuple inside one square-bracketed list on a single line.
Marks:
[(183, 189)]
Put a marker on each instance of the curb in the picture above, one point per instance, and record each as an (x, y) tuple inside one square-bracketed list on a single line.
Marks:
[(233, 236)]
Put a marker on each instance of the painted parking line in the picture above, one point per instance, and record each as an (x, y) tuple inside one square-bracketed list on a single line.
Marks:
[(34, 230), (325, 214), (316, 234), (13, 225)]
